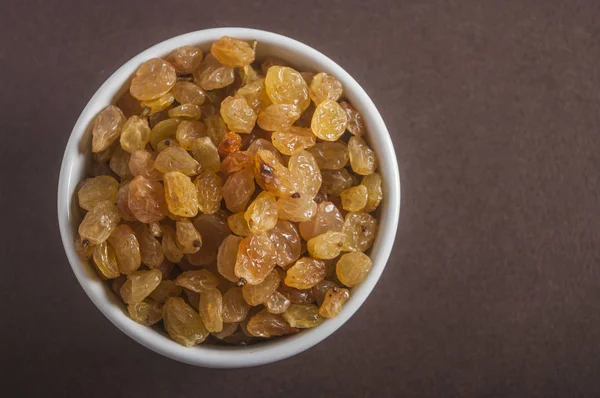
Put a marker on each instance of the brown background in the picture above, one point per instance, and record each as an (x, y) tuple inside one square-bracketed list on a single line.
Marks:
[(493, 286)]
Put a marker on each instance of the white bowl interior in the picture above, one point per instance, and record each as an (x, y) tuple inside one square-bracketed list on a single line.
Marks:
[(77, 158)]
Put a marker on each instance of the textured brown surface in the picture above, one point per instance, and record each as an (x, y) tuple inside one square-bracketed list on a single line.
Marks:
[(493, 287)]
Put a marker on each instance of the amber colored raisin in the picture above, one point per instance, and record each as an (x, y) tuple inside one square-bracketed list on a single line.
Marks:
[(99, 222), (211, 309), (362, 158), (135, 134), (258, 294), (255, 258), (327, 245), (152, 79), (287, 244), (261, 214), (238, 115), (97, 189), (305, 273), (265, 324), (127, 248), (226, 257), (159, 104), (238, 189), (303, 316), (178, 159), (356, 125), (231, 142), (147, 312), (188, 131), (235, 308), (329, 121), (293, 139), (107, 128), (180, 194), (212, 75), (330, 155), (139, 285), (285, 85), (188, 93), (210, 192), (324, 86), (164, 290), (185, 59), (206, 153), (147, 200), (352, 268), (197, 280), (182, 323), (375, 193), (278, 116), (327, 218), (232, 52), (236, 161), (186, 111), (106, 260), (333, 302), (354, 199), (359, 229)]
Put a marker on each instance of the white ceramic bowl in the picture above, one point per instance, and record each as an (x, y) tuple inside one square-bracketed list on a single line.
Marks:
[(77, 159)]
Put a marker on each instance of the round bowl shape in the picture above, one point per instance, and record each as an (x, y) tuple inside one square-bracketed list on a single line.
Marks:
[(77, 158)]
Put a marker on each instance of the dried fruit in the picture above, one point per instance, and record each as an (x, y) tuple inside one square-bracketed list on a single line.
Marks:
[(99, 222), (336, 181), (258, 294), (335, 298), (226, 258), (354, 198), (321, 288), (164, 290), (235, 308), (188, 93), (255, 258), (159, 104), (297, 296), (126, 247), (166, 143), (305, 273), (329, 121), (212, 75), (152, 79), (272, 176), (238, 224), (356, 125), (326, 246), (293, 139), (139, 285), (169, 245), (232, 52), (185, 59), (164, 130), (205, 152), (106, 260), (182, 323), (231, 142), (213, 229), (330, 155), (145, 312), (107, 128), (215, 128), (362, 158), (210, 192), (238, 115), (141, 163), (303, 316), (255, 94), (176, 159), (277, 303), (97, 189), (180, 194), (352, 268), (238, 189), (188, 131), (284, 85), (211, 309), (186, 111), (265, 324), (197, 280), (237, 161), (286, 240), (359, 229), (327, 218), (228, 330), (278, 116), (135, 134), (306, 172), (261, 215), (188, 239), (84, 251), (147, 200), (324, 86), (296, 208), (375, 194), (119, 163)]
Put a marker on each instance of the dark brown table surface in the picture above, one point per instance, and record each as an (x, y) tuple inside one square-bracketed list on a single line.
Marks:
[(493, 286)]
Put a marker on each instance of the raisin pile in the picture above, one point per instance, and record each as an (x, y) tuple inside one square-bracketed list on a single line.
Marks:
[(230, 200)]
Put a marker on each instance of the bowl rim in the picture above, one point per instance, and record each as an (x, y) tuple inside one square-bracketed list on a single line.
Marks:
[(269, 351)]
